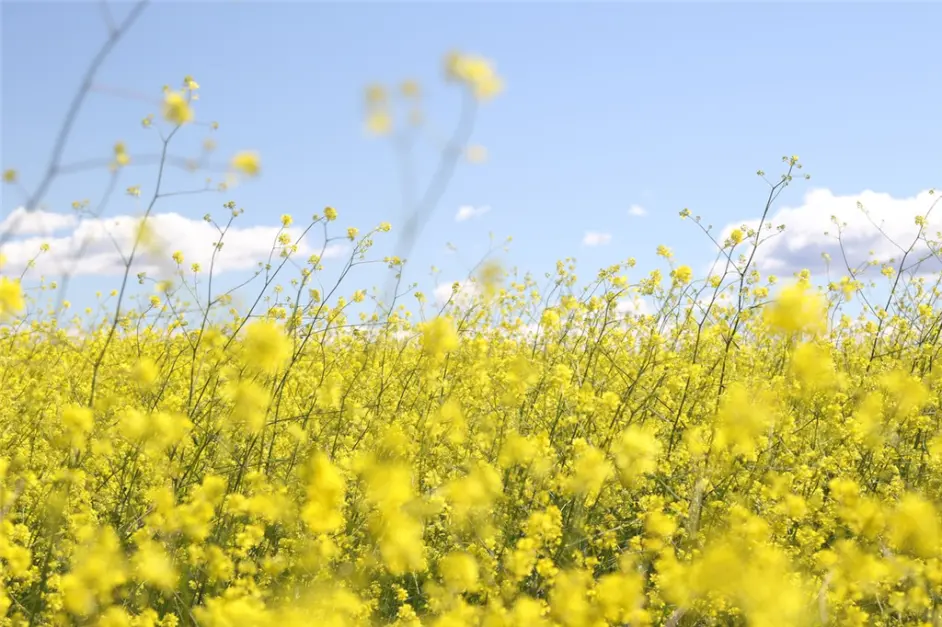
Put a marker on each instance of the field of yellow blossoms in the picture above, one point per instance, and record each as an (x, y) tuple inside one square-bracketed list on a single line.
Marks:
[(748, 454), (733, 463)]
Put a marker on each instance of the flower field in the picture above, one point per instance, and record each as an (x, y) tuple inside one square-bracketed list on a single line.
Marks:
[(707, 464), (754, 451)]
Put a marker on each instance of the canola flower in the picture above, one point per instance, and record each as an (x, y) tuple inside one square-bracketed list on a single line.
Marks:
[(176, 108), (11, 297), (247, 162)]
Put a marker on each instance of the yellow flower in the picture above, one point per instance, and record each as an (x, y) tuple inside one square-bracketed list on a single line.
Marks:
[(460, 572), (153, 566), (400, 543), (550, 319), (249, 404), (528, 612), (569, 598), (145, 372), (636, 452), (379, 122), (472, 496), (247, 162), (475, 72), (330, 213), (620, 597), (114, 616), (741, 420), (11, 297), (121, 157), (176, 108), (813, 366), (915, 527), (683, 275), (375, 95), (797, 310), (410, 89), (517, 449), (590, 470), (439, 337), (323, 512), (147, 236), (78, 419), (266, 346), (489, 277), (9, 176), (98, 567)]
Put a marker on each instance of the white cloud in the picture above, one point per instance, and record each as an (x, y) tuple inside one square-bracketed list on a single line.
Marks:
[(637, 210), (803, 241), (466, 291), (637, 306), (98, 246), (593, 238), (38, 222), (466, 212)]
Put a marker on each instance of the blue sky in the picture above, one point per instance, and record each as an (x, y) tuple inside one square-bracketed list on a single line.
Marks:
[(609, 105)]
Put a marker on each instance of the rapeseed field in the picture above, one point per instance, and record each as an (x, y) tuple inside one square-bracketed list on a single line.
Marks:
[(754, 451)]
